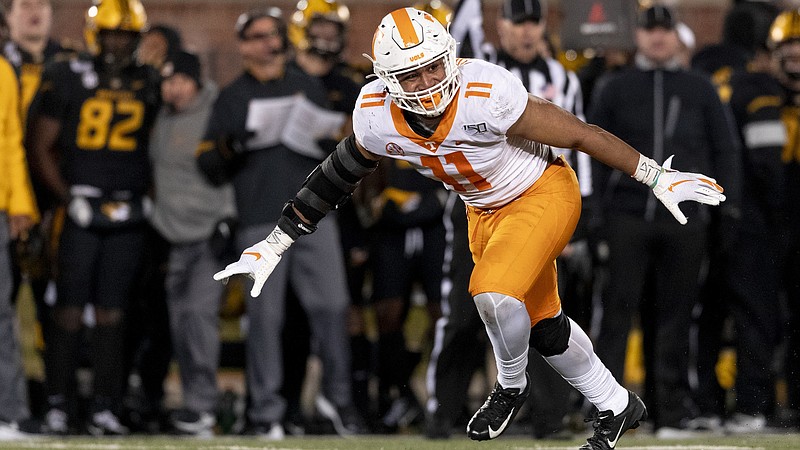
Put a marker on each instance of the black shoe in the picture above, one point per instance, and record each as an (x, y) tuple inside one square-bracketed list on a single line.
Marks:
[(294, 422), (32, 426), (497, 412), (608, 428), (437, 427), (404, 412), (231, 413), (345, 419)]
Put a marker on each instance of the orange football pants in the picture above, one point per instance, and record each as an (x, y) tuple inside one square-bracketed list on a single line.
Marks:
[(515, 246)]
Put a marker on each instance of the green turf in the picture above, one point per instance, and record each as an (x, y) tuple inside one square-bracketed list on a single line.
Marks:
[(642, 442)]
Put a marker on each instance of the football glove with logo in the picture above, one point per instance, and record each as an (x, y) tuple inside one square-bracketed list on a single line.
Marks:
[(259, 260), (672, 187)]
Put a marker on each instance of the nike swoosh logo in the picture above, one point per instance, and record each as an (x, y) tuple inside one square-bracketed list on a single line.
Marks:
[(493, 434), (676, 184), (613, 443), (257, 255)]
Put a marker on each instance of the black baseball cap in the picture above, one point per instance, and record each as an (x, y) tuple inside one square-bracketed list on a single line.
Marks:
[(519, 11), (657, 16), (182, 62)]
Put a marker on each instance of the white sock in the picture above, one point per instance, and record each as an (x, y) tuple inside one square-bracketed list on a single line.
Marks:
[(581, 367)]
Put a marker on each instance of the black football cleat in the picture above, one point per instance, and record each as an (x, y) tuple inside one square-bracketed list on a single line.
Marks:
[(608, 428), (499, 410)]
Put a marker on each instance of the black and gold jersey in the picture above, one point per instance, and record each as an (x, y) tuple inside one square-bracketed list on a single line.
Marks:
[(756, 100), (342, 84), (790, 114), (105, 122)]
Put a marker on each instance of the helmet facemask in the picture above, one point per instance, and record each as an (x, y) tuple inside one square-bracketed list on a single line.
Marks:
[(784, 35), (324, 46), (117, 48), (408, 40), (308, 15)]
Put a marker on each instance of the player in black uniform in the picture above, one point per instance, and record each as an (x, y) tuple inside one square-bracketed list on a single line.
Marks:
[(88, 135), (751, 285), (785, 43), (407, 248)]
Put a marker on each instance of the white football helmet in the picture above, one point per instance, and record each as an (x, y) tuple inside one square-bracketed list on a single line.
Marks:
[(406, 40)]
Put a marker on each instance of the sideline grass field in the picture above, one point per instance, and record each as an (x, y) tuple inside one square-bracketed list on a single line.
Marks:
[(635, 442)]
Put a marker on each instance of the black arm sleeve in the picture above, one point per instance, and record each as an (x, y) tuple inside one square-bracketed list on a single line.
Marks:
[(327, 187), (218, 161)]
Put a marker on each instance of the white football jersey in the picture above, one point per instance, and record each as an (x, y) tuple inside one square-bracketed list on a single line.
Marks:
[(469, 151)]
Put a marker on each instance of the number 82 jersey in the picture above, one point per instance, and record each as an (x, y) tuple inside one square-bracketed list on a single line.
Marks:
[(469, 151), (105, 122)]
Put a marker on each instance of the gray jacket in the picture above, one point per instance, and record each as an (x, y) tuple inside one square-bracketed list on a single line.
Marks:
[(187, 206)]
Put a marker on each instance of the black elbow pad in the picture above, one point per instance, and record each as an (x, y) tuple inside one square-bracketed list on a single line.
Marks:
[(333, 181)]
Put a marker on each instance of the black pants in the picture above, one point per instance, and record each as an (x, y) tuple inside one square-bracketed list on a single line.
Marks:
[(669, 257), (460, 340), (743, 285), (148, 342), (753, 278), (790, 272)]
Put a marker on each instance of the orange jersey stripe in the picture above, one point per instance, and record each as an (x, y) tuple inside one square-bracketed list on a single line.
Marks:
[(468, 94), (370, 104), (477, 85), (406, 29), (374, 95)]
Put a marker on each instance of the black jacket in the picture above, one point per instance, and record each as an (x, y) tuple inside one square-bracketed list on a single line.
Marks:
[(263, 176), (661, 113)]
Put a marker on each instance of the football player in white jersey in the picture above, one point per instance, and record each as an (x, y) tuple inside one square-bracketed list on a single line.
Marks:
[(474, 127)]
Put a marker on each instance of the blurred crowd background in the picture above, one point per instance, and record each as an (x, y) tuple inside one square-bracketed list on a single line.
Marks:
[(149, 168)]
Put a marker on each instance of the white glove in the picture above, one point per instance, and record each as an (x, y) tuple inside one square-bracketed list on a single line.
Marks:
[(258, 261), (80, 211), (672, 187)]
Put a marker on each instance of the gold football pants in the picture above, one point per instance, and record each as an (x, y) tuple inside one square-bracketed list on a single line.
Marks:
[(515, 246)]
